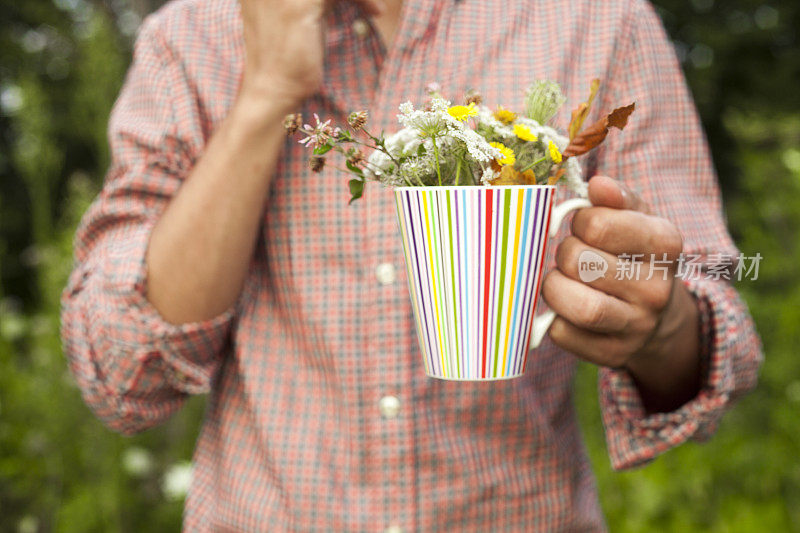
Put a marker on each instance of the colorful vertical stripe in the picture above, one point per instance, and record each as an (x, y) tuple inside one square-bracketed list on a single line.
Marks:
[(474, 257)]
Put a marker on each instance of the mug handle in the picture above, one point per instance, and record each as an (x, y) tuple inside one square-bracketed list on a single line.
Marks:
[(541, 323)]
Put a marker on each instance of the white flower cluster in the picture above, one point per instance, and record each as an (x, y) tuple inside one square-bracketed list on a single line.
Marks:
[(488, 175), (478, 147), (438, 122), (430, 123), (411, 158), (176, 481), (400, 145), (423, 128)]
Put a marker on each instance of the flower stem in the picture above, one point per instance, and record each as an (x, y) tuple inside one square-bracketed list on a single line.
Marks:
[(436, 155), (379, 145), (533, 164), (418, 181), (458, 170)]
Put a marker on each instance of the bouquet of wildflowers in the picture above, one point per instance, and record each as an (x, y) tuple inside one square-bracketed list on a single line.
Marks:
[(467, 144)]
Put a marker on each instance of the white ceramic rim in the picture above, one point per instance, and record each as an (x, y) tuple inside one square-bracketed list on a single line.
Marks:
[(501, 378), (479, 187)]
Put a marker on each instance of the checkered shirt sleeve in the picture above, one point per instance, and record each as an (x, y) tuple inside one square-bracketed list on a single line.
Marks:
[(134, 367)]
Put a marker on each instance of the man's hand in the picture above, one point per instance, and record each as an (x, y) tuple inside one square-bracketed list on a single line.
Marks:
[(284, 48), (200, 250), (646, 326)]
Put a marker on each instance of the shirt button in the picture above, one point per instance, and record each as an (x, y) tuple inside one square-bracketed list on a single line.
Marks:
[(389, 407), (385, 273), (394, 529), (361, 28)]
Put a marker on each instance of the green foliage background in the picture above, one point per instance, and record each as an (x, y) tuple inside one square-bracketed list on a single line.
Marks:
[(61, 66)]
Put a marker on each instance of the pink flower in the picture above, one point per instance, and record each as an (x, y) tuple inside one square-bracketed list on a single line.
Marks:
[(318, 135), (433, 88)]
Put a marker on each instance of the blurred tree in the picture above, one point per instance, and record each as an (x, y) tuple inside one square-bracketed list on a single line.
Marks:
[(61, 66), (737, 55)]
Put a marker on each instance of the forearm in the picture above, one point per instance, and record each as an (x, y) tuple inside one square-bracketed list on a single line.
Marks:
[(201, 247), (667, 371)]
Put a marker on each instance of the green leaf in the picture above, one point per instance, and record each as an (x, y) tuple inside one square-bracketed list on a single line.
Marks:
[(356, 189), (354, 169), (324, 149)]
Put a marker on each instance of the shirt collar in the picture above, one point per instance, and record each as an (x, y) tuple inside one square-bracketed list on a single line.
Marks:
[(417, 19), (352, 61)]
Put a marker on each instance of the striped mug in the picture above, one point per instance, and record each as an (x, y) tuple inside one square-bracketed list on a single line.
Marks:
[(474, 257)]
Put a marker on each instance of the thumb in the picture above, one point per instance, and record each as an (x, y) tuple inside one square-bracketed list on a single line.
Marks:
[(608, 192)]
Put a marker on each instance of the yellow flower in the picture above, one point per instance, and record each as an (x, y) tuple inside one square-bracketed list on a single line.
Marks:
[(504, 115), (555, 153), (463, 112), (508, 157), (524, 133)]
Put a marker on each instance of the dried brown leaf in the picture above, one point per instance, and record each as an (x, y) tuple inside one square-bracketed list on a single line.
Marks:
[(552, 180), (619, 117), (528, 177), (582, 111), (594, 135), (511, 176)]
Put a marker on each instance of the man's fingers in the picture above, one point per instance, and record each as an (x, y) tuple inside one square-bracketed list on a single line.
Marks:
[(586, 307), (627, 281), (571, 260), (607, 192), (598, 348), (627, 232)]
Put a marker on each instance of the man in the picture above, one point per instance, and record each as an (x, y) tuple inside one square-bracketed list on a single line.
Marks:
[(214, 261)]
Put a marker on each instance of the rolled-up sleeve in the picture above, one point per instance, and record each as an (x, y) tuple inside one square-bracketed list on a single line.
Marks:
[(663, 156), (133, 367)]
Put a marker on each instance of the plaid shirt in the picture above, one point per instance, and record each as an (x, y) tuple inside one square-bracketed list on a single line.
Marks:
[(320, 416)]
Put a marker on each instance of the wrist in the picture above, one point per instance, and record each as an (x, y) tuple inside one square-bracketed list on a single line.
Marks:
[(667, 368), (259, 85), (260, 111), (677, 330)]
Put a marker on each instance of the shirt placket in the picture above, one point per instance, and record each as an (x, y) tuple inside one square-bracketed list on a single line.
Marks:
[(391, 341), (361, 74)]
